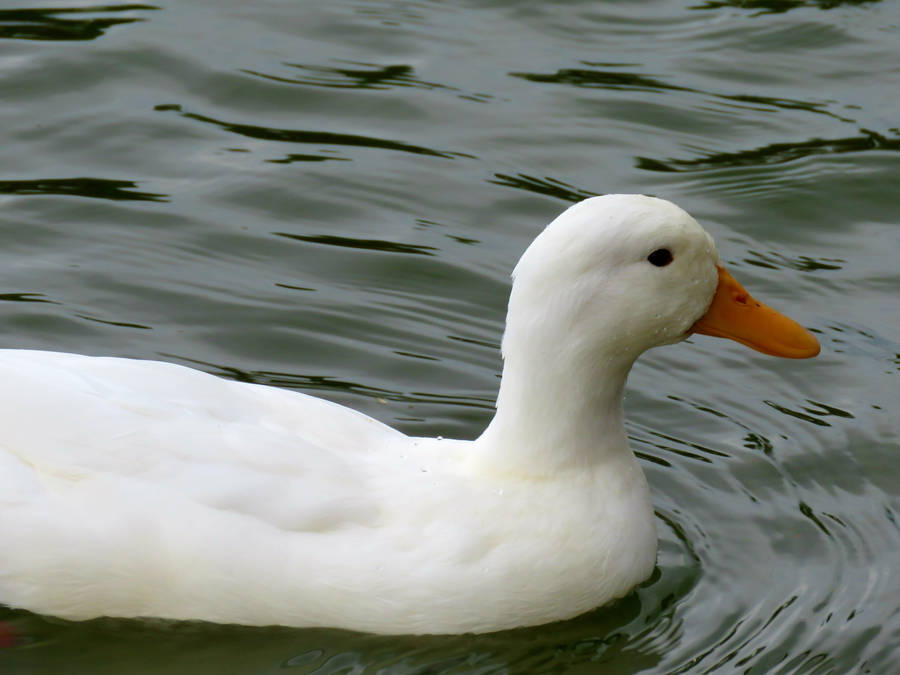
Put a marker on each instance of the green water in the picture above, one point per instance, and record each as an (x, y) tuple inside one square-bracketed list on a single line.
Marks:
[(329, 197)]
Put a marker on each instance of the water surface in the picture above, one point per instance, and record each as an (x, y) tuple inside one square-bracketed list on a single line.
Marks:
[(329, 197)]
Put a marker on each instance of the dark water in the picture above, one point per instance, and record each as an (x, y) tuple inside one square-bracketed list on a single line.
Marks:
[(329, 197)]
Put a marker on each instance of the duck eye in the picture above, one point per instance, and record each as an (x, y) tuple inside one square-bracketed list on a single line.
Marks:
[(660, 257)]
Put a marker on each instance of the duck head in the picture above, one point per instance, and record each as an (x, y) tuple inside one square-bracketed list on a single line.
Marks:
[(611, 277), (620, 274)]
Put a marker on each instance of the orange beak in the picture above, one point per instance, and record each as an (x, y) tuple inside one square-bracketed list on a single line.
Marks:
[(736, 315)]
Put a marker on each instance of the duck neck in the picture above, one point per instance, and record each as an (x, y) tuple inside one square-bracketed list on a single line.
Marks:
[(557, 409)]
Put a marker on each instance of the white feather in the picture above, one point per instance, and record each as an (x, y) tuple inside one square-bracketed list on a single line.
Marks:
[(138, 488)]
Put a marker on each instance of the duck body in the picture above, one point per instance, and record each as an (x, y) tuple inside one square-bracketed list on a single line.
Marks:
[(145, 489), (158, 490)]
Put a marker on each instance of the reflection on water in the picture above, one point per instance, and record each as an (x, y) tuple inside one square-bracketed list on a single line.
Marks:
[(780, 6), (812, 414), (551, 187), (774, 260), (605, 79), (306, 196), (63, 23), (369, 76), (617, 80), (311, 137), (613, 638), (364, 76), (366, 244), (776, 153), (95, 188), (25, 297)]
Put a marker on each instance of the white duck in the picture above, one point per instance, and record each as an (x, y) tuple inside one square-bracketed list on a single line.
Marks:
[(145, 489)]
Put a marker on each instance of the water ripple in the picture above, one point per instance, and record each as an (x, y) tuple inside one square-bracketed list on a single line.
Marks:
[(367, 76), (95, 188), (601, 79), (551, 187), (45, 24), (617, 80), (311, 137), (26, 297), (774, 260), (775, 153), (781, 6), (320, 237), (365, 244), (117, 324)]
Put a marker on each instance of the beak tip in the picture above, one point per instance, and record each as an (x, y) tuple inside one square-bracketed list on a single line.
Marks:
[(812, 347)]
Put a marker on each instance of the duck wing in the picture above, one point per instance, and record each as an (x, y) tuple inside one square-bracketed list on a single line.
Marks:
[(72, 425)]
